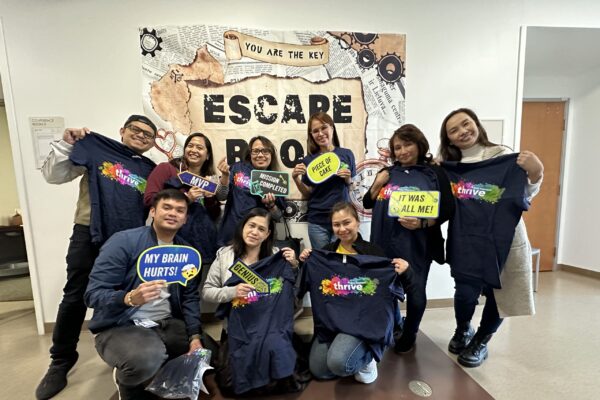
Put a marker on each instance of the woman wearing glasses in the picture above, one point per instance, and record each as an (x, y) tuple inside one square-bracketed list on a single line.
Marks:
[(323, 138), (200, 228), (260, 154)]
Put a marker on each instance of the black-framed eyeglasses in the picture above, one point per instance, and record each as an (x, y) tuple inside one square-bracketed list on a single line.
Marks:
[(264, 151), (137, 130)]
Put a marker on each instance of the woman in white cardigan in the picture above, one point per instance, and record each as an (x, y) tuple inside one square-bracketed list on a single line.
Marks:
[(463, 138)]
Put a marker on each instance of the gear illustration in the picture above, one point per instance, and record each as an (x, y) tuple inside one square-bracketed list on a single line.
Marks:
[(390, 68), (345, 40), (364, 38), (366, 58), (150, 42)]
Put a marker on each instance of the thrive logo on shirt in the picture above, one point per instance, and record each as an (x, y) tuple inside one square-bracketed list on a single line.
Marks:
[(464, 190), (386, 192), (241, 180), (117, 172), (275, 287), (339, 286)]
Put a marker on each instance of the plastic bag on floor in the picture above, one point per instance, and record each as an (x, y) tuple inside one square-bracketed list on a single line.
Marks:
[(181, 378)]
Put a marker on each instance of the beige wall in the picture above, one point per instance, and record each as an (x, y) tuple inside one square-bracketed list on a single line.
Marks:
[(8, 189)]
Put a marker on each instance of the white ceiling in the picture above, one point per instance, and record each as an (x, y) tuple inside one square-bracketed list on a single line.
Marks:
[(567, 52)]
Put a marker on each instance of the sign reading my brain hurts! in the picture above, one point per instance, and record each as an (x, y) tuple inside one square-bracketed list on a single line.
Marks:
[(323, 167), (194, 180), (250, 277), (173, 264), (422, 204), (265, 182)]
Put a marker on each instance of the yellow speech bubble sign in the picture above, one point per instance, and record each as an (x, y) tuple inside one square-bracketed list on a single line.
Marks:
[(419, 204), (247, 275), (323, 167)]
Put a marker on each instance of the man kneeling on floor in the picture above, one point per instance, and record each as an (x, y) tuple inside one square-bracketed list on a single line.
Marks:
[(139, 325)]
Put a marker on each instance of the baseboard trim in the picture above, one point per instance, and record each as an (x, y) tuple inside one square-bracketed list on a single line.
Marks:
[(579, 271)]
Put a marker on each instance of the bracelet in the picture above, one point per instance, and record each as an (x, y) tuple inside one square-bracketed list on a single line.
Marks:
[(194, 337), (128, 300)]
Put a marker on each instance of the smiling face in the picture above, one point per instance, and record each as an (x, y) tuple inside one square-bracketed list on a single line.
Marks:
[(169, 215), (345, 226), (138, 136), (255, 231), (405, 152), (322, 134), (462, 131), (260, 155), (195, 152)]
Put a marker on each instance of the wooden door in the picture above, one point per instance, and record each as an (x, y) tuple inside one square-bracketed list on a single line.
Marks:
[(542, 129)]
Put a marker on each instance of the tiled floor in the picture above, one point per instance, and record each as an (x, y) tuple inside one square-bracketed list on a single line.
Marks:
[(553, 355)]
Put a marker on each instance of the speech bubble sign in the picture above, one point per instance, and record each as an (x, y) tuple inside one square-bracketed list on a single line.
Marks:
[(173, 264), (265, 182), (250, 277), (419, 204), (323, 167), (190, 179)]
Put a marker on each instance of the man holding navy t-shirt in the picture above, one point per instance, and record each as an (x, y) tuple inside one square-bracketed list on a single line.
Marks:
[(113, 180)]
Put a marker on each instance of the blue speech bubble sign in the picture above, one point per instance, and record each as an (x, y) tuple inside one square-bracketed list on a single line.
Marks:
[(173, 264)]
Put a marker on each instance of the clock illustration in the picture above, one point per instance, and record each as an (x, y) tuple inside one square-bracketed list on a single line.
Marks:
[(366, 171)]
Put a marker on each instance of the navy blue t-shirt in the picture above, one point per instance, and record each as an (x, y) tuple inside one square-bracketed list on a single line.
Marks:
[(352, 294), (260, 327), (199, 229), (491, 196), (240, 201), (324, 195), (387, 232), (117, 181)]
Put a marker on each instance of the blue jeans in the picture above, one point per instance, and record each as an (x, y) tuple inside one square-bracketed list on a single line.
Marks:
[(319, 236), (138, 353), (345, 356)]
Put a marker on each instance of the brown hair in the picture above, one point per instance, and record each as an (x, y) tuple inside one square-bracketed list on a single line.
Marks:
[(449, 152), (410, 133), (324, 118), (344, 206)]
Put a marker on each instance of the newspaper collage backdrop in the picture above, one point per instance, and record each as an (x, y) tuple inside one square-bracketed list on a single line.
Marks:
[(235, 83)]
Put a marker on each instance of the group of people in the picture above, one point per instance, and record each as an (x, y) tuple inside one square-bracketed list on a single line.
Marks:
[(139, 325)]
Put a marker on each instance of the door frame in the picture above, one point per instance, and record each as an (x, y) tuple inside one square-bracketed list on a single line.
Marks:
[(563, 154)]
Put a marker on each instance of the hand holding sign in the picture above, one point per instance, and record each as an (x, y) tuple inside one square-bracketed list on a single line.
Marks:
[(170, 264), (420, 204), (323, 167)]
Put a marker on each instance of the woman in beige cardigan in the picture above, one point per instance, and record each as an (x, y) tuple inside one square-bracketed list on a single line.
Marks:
[(463, 138)]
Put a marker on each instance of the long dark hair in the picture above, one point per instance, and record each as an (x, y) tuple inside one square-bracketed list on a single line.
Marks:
[(410, 133), (313, 147), (449, 152), (266, 247), (274, 164), (208, 167)]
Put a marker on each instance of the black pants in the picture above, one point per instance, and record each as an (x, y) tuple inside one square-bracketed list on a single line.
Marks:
[(71, 312), (466, 297), (416, 297)]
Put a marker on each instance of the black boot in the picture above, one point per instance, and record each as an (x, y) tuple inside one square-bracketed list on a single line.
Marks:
[(476, 352), (406, 343), (462, 336), (55, 379)]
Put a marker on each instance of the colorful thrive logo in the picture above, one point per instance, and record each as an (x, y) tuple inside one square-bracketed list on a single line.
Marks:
[(386, 192), (117, 172), (338, 286), (275, 287), (241, 180), (477, 191)]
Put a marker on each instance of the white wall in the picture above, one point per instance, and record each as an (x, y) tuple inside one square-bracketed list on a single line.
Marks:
[(578, 222), (80, 60)]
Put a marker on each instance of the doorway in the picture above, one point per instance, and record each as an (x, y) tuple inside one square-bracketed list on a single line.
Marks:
[(542, 132)]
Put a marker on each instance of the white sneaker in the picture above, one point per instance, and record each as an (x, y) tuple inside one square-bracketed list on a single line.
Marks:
[(368, 373)]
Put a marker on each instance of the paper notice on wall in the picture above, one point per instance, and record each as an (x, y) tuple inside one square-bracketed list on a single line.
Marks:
[(45, 130)]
